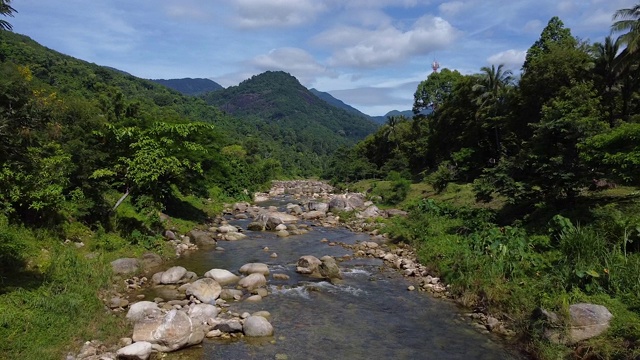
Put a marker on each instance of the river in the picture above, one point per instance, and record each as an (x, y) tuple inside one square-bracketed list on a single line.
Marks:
[(370, 315)]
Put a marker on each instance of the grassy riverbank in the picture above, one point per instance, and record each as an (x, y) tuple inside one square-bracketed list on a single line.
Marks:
[(50, 292), (507, 261)]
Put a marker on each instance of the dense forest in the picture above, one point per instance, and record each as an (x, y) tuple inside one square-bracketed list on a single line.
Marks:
[(525, 188)]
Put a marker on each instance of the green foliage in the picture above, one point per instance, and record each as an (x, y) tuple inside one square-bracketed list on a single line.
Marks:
[(615, 152), (433, 91), (440, 178)]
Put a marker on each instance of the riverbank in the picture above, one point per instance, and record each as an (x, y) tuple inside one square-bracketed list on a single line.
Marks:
[(536, 273)]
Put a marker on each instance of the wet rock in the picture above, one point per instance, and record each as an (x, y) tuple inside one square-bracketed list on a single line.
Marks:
[(329, 269), (173, 275), (229, 326), (176, 331), (280, 277), (240, 207), (253, 281), (308, 265), (234, 236), (202, 238), (263, 313), (255, 226), (274, 218), (251, 268), (227, 229), (214, 334), (281, 227), (136, 351), (253, 298), (206, 290), (231, 294), (125, 266), (283, 233), (222, 276), (257, 326)]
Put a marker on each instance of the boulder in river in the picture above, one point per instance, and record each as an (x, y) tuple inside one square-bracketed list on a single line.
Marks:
[(256, 326), (251, 268), (222, 276), (308, 265), (329, 268), (253, 281), (176, 331), (256, 226), (173, 275), (202, 238), (206, 290)]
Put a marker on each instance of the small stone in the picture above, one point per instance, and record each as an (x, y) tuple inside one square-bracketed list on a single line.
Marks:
[(274, 255), (214, 333), (411, 288)]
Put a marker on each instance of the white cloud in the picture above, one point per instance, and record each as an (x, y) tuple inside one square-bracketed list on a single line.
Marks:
[(297, 62), (451, 8), (533, 26), (358, 47), (512, 59), (276, 13)]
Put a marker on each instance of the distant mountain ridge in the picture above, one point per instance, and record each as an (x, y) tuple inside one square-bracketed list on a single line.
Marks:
[(190, 86)]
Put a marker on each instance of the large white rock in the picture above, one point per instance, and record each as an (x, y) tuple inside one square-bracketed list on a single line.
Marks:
[(252, 268), (587, 321), (142, 309), (176, 331), (222, 276), (206, 290), (136, 351), (256, 326), (253, 281), (201, 313), (173, 275), (227, 229)]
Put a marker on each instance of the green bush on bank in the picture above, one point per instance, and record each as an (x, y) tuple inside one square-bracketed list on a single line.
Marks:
[(510, 270)]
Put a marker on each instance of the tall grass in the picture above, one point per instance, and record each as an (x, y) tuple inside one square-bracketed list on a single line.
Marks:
[(50, 302), (506, 269)]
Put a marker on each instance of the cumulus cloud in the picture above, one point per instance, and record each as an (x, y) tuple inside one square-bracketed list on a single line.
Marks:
[(359, 47), (276, 13), (512, 59), (295, 61)]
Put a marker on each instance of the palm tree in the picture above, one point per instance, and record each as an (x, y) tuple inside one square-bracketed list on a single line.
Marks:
[(6, 10), (608, 66), (629, 21), (492, 87), (391, 131)]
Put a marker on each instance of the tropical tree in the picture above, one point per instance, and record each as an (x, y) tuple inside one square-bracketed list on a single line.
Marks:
[(6, 10), (433, 91), (628, 22), (607, 69), (491, 88)]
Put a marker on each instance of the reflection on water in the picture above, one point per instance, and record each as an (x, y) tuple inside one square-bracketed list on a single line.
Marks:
[(370, 315)]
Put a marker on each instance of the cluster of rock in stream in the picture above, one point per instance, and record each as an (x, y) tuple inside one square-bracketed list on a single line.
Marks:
[(192, 308)]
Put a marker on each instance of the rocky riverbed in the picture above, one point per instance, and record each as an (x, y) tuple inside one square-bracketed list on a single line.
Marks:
[(179, 307)]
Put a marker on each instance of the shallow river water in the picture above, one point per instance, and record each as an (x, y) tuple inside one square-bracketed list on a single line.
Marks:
[(370, 315)]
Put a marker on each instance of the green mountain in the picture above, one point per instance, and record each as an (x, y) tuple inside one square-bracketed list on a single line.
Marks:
[(189, 86), (279, 107)]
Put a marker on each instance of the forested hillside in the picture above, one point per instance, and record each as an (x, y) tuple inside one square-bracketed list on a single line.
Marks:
[(278, 106)]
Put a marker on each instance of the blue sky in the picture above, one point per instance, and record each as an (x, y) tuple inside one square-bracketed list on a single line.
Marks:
[(369, 53)]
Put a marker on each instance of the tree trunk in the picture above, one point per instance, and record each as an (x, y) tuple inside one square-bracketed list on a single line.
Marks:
[(121, 200)]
